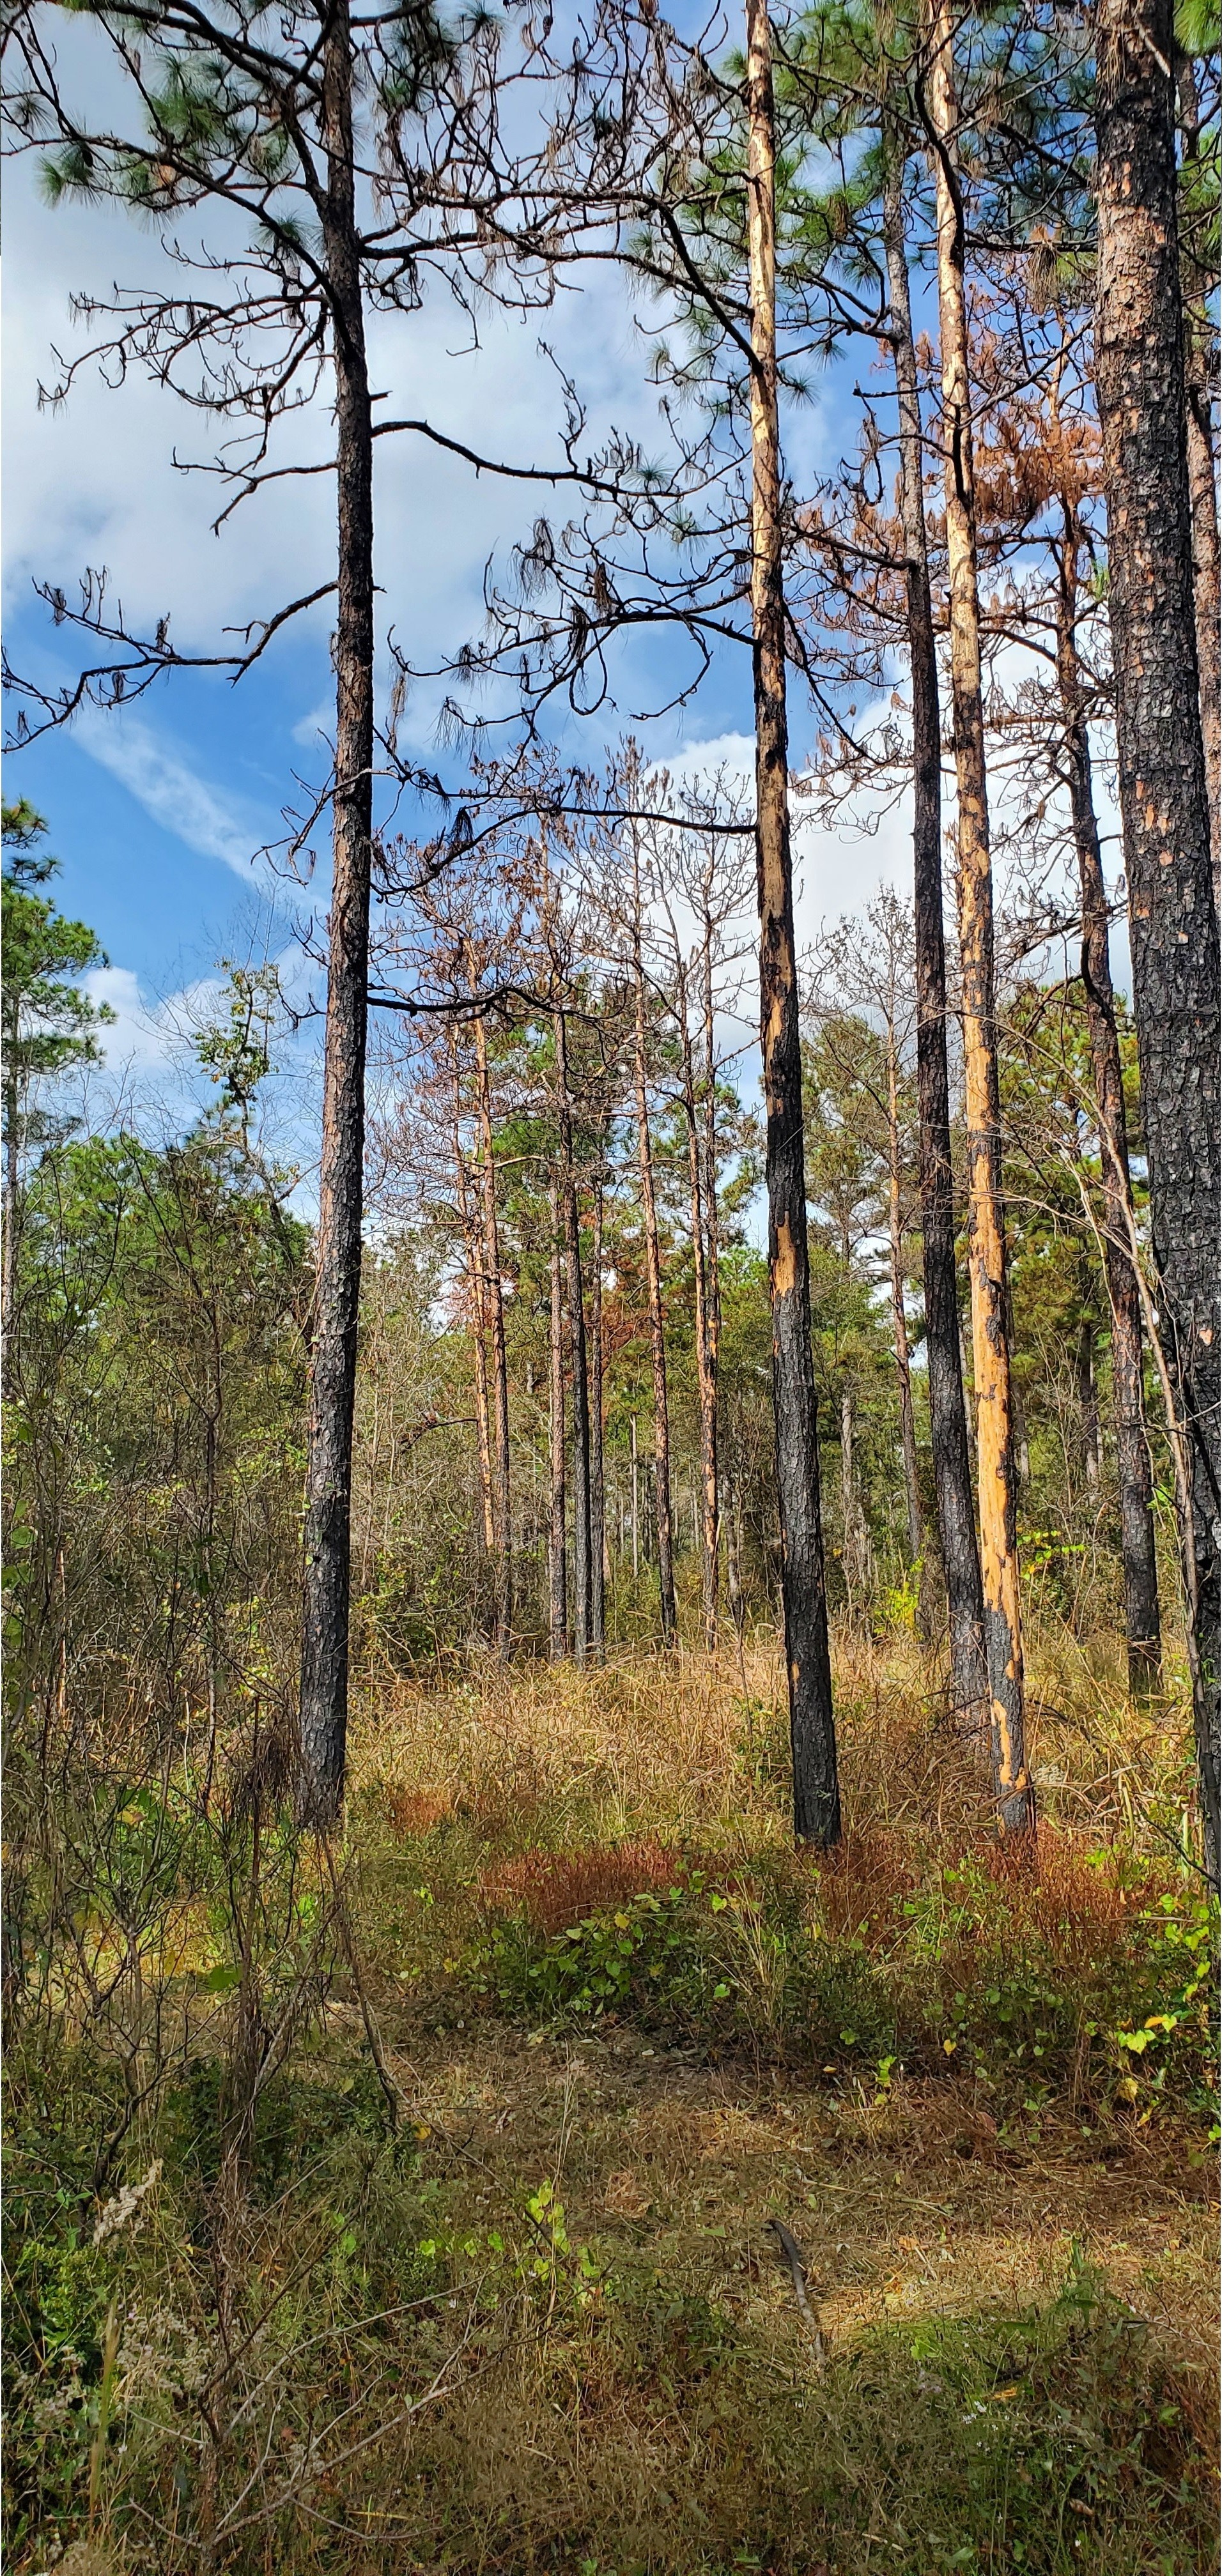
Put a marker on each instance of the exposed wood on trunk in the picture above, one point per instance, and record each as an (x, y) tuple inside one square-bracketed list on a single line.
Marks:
[(653, 1271), (557, 1572), (494, 1311), (948, 1429), (986, 1237), (816, 1795), (1140, 1569), (324, 1654), (1173, 926)]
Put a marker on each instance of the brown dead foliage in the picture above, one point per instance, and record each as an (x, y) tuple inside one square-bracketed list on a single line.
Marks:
[(556, 1889)]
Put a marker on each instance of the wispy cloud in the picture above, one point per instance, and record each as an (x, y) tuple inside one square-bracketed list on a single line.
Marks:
[(170, 790)]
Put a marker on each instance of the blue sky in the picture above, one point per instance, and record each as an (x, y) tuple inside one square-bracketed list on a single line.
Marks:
[(156, 810)]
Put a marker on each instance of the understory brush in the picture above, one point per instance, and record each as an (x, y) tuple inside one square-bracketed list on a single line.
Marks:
[(570, 1872), (271, 2303)]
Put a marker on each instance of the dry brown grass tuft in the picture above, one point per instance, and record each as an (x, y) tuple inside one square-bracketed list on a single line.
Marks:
[(554, 1889)]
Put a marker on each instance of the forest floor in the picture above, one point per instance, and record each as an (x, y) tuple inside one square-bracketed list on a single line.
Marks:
[(496, 2286)]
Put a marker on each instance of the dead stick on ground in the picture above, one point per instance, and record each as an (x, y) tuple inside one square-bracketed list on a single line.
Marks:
[(796, 2260)]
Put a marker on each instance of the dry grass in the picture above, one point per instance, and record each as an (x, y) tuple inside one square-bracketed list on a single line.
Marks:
[(1014, 2277)]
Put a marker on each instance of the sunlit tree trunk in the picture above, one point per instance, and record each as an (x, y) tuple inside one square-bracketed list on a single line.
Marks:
[(1164, 804), (948, 1430), (324, 1654), (816, 1794), (986, 1224)]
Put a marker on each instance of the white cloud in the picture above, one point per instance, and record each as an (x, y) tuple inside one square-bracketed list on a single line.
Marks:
[(149, 1033), (169, 789)]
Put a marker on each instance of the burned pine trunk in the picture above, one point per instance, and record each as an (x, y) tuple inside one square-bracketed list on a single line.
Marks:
[(986, 1222), (1173, 923), (324, 1651), (952, 1472), (1140, 1569), (816, 1794)]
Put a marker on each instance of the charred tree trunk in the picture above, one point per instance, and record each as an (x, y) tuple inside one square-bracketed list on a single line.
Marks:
[(986, 1223), (1206, 586), (324, 1652), (494, 1309), (1141, 1613), (653, 1279), (816, 1794), (1173, 925), (578, 1361), (1199, 355), (948, 1430), (12, 1176), (557, 1573)]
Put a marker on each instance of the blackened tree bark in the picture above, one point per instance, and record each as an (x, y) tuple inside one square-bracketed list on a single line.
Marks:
[(1141, 1613), (952, 1471), (324, 1654), (557, 1571), (986, 1222), (1200, 370), (1173, 925), (816, 1794)]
